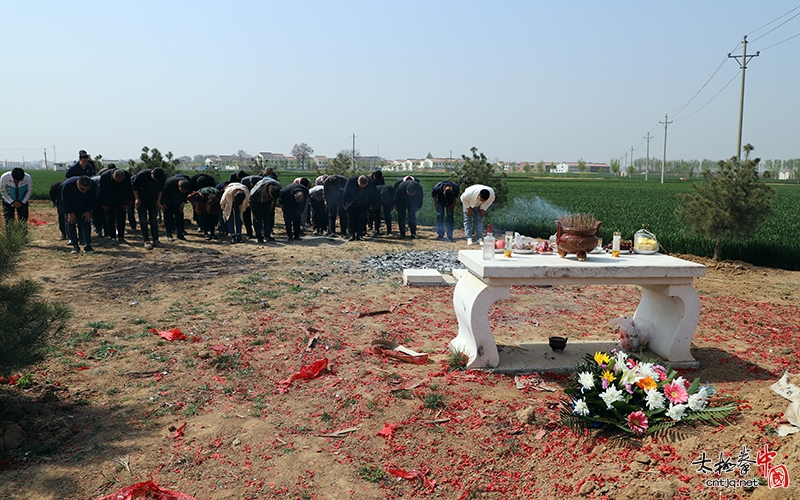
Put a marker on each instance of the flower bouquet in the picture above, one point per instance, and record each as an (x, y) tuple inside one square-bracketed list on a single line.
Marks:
[(636, 396)]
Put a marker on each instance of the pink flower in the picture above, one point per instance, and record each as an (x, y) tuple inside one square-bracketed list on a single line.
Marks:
[(637, 421), (676, 393)]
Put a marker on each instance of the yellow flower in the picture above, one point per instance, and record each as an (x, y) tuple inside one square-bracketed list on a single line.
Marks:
[(601, 358), (608, 376), (647, 384)]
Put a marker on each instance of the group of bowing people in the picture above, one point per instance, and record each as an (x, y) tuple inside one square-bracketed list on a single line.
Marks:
[(107, 200)]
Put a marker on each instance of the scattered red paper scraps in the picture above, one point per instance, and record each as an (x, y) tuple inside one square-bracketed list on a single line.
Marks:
[(306, 372), (82, 367), (396, 351), (219, 349), (146, 489), (533, 381), (12, 380), (413, 474), (36, 222), (179, 432), (387, 431), (174, 334)]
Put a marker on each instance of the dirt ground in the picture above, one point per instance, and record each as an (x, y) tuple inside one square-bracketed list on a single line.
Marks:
[(115, 404)]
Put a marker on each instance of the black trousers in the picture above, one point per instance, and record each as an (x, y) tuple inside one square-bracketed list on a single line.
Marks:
[(21, 212), (148, 219), (115, 221), (293, 222), (263, 218), (173, 219), (333, 211), (357, 217)]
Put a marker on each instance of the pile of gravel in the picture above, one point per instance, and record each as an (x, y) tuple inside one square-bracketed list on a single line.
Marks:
[(442, 260)]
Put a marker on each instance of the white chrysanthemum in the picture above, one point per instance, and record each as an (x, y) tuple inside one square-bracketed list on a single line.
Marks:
[(611, 395), (698, 401), (675, 412), (680, 380), (586, 379), (581, 408), (646, 370), (655, 399)]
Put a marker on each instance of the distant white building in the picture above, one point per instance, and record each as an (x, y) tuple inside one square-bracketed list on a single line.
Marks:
[(785, 175)]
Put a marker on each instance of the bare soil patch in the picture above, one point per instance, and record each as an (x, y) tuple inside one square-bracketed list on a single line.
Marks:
[(115, 404)]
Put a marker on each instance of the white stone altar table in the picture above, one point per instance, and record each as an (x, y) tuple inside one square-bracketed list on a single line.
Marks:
[(668, 312)]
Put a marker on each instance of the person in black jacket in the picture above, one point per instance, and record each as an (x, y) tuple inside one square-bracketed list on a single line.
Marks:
[(359, 197), (263, 198), (147, 186), (407, 200), (294, 199), (78, 196), (84, 166), (249, 182), (55, 198), (445, 194), (116, 197), (333, 189), (173, 198)]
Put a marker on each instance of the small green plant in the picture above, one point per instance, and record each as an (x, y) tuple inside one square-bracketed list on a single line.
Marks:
[(112, 391), (191, 410), (225, 362), (457, 361), (325, 417), (433, 400), (371, 473), (25, 381), (139, 321), (404, 394), (100, 325)]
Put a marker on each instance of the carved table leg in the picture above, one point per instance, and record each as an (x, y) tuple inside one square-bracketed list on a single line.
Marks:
[(471, 299), (668, 315)]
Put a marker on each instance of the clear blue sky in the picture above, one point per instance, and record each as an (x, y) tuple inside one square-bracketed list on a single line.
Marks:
[(520, 80)]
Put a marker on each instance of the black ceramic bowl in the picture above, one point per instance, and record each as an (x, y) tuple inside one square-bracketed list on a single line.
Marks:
[(558, 343)]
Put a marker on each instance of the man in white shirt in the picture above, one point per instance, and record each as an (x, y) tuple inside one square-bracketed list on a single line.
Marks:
[(16, 187), (475, 200)]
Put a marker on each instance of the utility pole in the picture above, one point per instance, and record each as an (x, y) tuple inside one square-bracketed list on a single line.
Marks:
[(632, 157), (664, 159), (743, 65), (45, 158), (354, 153), (647, 162), (625, 164)]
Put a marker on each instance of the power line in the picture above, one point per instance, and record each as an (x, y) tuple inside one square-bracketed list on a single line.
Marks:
[(776, 27), (709, 101), (782, 15), (721, 64), (786, 40)]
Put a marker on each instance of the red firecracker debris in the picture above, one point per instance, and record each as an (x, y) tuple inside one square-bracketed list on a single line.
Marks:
[(146, 489), (174, 334), (306, 372), (12, 380), (413, 474), (179, 432), (387, 431)]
